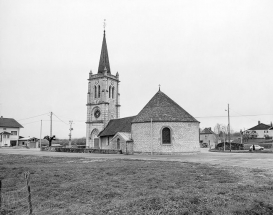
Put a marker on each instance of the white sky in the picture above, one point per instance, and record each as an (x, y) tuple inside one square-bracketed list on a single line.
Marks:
[(205, 54)]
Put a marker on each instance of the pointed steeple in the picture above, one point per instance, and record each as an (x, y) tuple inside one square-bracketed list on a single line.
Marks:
[(104, 59)]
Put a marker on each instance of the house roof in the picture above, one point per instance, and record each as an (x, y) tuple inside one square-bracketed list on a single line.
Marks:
[(5, 132), (207, 131), (9, 123), (161, 108), (117, 125), (104, 59), (260, 126), (28, 138)]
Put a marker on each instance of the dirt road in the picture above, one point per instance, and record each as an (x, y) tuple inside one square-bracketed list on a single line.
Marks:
[(250, 160)]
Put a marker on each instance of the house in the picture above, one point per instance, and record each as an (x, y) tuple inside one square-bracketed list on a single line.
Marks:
[(260, 131), (9, 131), (31, 142), (208, 137), (161, 127)]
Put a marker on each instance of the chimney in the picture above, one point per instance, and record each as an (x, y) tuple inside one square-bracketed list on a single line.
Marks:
[(259, 122), (271, 124)]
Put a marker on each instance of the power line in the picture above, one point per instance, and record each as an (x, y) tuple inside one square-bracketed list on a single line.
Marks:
[(233, 116), (242, 114), (60, 119), (32, 116), (30, 122)]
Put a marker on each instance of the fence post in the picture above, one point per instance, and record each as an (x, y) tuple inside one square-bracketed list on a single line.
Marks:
[(26, 174)]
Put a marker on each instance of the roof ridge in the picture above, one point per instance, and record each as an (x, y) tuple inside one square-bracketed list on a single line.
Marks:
[(162, 108)]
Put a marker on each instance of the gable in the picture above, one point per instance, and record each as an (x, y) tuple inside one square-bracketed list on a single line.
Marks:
[(207, 131), (161, 108)]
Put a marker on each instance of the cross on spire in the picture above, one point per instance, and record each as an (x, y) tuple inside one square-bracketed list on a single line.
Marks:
[(104, 59), (104, 24)]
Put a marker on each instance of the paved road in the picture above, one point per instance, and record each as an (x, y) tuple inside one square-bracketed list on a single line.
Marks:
[(251, 160)]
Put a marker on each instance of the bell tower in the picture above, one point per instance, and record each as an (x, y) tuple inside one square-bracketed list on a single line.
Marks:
[(102, 98)]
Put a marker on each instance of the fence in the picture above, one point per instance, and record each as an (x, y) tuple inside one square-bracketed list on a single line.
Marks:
[(18, 199), (11, 200)]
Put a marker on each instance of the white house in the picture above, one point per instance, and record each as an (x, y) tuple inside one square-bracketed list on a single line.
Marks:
[(9, 131), (261, 130), (209, 137)]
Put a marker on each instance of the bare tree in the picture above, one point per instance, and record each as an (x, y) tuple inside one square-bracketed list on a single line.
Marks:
[(220, 130), (50, 139)]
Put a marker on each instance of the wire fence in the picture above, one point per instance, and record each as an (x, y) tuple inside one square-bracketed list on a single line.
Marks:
[(18, 198)]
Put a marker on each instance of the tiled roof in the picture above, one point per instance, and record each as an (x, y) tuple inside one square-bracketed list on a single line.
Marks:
[(117, 125), (9, 123), (161, 108), (260, 126), (207, 131)]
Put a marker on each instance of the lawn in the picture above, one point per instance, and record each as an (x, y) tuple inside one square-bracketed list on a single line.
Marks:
[(92, 186)]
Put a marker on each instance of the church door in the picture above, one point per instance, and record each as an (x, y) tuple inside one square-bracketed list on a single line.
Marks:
[(118, 143), (96, 143)]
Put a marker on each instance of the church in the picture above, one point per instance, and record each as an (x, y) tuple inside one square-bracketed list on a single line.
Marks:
[(161, 127)]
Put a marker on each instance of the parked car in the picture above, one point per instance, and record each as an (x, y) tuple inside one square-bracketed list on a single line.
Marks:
[(257, 147)]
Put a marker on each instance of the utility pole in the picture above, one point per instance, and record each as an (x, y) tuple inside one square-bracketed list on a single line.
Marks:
[(151, 145), (41, 137), (70, 130), (229, 130), (50, 124)]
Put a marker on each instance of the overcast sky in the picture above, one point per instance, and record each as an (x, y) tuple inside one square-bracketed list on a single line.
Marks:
[(204, 54)]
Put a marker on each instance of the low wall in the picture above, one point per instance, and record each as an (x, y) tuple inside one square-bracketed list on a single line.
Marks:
[(79, 150)]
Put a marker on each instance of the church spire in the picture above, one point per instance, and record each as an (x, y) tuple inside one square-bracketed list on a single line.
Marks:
[(104, 59)]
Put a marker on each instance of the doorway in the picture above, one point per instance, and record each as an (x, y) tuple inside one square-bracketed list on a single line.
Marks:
[(96, 143)]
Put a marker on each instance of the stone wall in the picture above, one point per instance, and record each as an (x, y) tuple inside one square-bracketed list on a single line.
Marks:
[(184, 137), (112, 144)]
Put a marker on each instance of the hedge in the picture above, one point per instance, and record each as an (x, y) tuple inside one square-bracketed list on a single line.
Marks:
[(80, 150)]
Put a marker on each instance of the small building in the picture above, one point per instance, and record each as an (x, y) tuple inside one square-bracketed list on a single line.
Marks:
[(30, 142), (260, 131), (116, 134), (9, 131), (208, 137)]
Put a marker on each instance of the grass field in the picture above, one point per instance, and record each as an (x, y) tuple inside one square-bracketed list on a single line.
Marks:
[(86, 186)]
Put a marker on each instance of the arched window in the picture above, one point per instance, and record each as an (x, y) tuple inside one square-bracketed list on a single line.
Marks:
[(95, 91), (113, 92), (99, 91), (118, 143), (166, 136), (109, 91)]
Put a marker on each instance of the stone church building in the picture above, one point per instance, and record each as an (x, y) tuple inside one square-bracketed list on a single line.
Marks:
[(161, 127)]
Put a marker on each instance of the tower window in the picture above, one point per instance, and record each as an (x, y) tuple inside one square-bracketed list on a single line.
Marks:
[(166, 136), (113, 92), (109, 91), (95, 91), (99, 91)]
